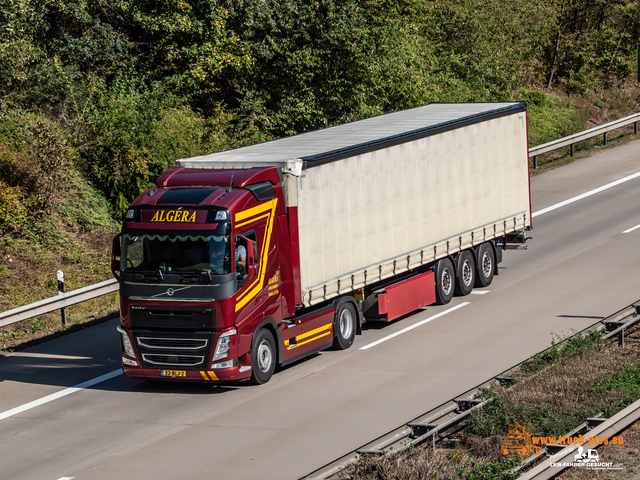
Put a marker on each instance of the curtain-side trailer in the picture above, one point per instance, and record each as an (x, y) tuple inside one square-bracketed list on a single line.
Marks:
[(243, 260)]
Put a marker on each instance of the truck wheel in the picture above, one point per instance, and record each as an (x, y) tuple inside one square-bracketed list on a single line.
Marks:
[(263, 357), (345, 326), (466, 273), (486, 265), (445, 281)]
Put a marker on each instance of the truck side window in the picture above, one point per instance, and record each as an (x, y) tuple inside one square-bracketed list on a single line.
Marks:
[(240, 255)]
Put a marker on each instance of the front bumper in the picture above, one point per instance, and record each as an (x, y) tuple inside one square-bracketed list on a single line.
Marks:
[(215, 375)]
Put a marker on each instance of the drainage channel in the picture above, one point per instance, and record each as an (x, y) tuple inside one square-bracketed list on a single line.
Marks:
[(440, 422)]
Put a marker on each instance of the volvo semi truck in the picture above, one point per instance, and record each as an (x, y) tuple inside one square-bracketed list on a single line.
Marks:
[(243, 260)]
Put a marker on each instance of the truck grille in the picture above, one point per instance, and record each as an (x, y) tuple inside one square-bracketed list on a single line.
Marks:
[(171, 318), (188, 350), (173, 360), (173, 343)]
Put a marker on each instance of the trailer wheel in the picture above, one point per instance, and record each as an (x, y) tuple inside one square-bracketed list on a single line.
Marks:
[(445, 281), (466, 273), (345, 326), (486, 265), (263, 357)]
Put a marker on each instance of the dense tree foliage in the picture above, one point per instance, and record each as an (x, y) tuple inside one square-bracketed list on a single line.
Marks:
[(124, 88)]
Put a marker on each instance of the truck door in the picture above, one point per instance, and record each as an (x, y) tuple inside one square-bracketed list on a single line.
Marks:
[(249, 294), (258, 294)]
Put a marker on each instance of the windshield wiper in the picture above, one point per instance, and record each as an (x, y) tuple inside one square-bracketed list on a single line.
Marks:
[(196, 277), (160, 273)]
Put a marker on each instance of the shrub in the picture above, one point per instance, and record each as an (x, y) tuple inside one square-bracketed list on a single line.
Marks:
[(549, 117)]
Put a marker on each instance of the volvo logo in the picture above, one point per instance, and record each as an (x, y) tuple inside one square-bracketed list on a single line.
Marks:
[(169, 292)]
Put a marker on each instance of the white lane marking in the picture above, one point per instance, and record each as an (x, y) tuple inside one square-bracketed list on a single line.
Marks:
[(66, 478), (60, 394), (631, 229), (585, 195), (47, 355), (419, 324), (479, 292)]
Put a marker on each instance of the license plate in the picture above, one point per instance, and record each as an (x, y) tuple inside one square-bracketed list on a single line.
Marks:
[(173, 373)]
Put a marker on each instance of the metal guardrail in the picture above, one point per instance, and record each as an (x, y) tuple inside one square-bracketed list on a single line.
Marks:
[(571, 140), (56, 303)]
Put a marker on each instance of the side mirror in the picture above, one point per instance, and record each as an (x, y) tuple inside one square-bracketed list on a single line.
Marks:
[(116, 251), (251, 264)]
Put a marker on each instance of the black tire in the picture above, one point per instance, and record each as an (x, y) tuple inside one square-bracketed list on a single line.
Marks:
[(486, 265), (344, 325), (263, 357), (465, 273), (445, 281)]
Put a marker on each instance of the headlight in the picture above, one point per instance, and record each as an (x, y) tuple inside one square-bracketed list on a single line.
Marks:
[(224, 342), (221, 215), (126, 343), (131, 214)]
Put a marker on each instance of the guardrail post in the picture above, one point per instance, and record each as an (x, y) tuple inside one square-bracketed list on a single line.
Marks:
[(63, 310), (635, 128), (535, 161), (572, 150), (604, 137), (621, 338)]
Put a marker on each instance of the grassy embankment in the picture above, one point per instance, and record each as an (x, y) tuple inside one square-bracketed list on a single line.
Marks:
[(54, 220), (554, 392)]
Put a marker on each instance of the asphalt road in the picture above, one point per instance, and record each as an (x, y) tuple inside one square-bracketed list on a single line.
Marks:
[(580, 267)]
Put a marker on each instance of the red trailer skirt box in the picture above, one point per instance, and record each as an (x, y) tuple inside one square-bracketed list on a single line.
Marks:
[(406, 296)]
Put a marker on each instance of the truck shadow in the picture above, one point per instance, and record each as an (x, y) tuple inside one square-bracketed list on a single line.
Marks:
[(69, 371), (73, 359)]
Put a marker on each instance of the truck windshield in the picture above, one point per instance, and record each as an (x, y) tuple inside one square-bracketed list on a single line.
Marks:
[(176, 253)]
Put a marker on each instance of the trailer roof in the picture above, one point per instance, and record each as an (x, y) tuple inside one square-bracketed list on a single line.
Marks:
[(349, 139)]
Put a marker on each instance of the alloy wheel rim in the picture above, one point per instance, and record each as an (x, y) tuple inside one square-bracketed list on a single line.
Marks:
[(446, 281), (486, 264), (467, 273), (264, 356), (346, 323)]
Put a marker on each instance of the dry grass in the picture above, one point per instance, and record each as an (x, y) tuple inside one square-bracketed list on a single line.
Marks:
[(422, 463), (568, 384), (488, 448)]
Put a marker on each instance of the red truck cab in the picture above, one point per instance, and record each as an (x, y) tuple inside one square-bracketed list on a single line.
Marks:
[(208, 264)]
